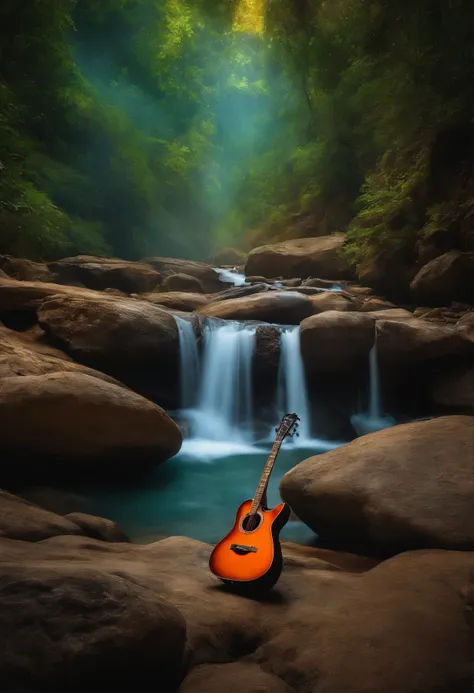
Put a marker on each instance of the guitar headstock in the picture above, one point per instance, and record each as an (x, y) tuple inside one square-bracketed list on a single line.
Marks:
[(288, 426)]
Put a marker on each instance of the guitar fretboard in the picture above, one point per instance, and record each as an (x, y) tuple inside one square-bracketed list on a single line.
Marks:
[(265, 476)]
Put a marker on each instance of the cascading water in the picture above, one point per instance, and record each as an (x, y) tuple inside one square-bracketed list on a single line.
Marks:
[(292, 390), (188, 363), (231, 277), (374, 389), (373, 419), (224, 411)]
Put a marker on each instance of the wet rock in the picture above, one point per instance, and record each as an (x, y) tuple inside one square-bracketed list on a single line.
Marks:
[(336, 341), (266, 353), (306, 257), (446, 278), (271, 306), (406, 487)]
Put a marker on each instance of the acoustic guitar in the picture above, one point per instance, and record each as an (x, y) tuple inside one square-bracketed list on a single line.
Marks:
[(250, 555)]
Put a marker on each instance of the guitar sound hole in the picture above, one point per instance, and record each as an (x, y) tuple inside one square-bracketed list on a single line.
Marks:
[(251, 522)]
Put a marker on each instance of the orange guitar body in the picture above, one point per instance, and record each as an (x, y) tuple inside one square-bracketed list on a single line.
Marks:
[(251, 556)]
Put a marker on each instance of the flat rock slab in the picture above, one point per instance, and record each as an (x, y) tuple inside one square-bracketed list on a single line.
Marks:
[(400, 625), (320, 257)]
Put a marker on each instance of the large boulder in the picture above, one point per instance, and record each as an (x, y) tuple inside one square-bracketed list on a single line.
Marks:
[(179, 300), (207, 277), (106, 273), (21, 356), (182, 282), (305, 257), (331, 300), (25, 270), (407, 487), (20, 519), (400, 625), (78, 424), (284, 307), (111, 332), (335, 341), (77, 628), (416, 340), (447, 278)]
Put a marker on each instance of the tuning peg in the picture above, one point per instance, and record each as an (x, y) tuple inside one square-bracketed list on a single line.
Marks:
[(297, 434), (276, 429)]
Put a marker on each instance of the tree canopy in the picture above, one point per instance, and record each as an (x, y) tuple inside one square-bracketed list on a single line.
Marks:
[(139, 127)]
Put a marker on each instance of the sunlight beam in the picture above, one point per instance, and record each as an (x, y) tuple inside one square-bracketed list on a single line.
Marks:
[(250, 16)]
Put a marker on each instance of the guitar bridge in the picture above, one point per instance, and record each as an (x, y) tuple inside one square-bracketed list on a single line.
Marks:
[(243, 549)]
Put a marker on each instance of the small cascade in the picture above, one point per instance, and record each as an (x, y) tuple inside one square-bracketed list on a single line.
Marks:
[(292, 390), (188, 363), (230, 276), (374, 388), (225, 411), (373, 419)]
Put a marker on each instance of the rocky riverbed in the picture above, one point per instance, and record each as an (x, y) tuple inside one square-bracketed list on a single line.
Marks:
[(89, 367)]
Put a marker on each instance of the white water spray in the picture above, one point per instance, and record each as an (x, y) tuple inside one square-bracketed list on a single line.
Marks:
[(225, 410), (374, 419), (188, 363), (231, 277), (292, 390)]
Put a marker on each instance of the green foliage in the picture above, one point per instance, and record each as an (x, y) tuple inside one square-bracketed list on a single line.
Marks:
[(140, 127)]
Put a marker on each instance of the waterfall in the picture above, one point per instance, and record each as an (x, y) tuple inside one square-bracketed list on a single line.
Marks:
[(292, 390), (188, 363), (374, 388), (226, 275), (373, 419), (225, 399)]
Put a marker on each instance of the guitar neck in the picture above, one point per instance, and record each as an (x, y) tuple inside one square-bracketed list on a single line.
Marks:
[(265, 476)]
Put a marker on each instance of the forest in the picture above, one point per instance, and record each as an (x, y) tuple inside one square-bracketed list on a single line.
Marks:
[(178, 127)]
